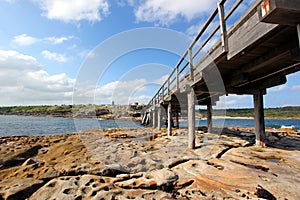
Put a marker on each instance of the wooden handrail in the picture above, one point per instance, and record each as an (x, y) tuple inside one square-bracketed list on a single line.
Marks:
[(189, 55)]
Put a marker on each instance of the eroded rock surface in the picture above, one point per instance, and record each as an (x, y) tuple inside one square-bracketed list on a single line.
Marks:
[(147, 164)]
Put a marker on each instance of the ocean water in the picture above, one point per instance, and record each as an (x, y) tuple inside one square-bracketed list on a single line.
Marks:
[(28, 125), (247, 123)]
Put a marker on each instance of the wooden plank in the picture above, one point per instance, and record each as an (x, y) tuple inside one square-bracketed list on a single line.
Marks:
[(248, 33)]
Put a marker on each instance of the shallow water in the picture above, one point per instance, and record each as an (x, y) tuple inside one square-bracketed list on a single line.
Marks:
[(247, 123), (29, 125)]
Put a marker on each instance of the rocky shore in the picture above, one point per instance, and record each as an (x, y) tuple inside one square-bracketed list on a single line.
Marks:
[(147, 164)]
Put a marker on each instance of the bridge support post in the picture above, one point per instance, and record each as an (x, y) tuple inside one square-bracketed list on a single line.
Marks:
[(209, 117), (259, 118), (176, 119), (159, 118), (154, 117), (191, 119), (170, 119)]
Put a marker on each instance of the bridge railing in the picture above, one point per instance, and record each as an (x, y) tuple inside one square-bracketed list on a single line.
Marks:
[(184, 69)]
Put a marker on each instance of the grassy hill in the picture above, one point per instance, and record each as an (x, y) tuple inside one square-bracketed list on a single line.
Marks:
[(289, 112)]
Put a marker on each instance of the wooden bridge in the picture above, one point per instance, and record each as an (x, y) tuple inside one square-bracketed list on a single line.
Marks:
[(255, 53)]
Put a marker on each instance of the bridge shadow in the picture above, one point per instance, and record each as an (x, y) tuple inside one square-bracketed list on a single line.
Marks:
[(286, 142), (279, 140)]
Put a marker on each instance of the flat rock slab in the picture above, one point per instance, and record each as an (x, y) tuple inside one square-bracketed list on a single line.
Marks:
[(18, 188), (92, 187)]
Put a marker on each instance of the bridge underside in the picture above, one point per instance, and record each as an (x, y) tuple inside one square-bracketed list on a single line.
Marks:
[(261, 50)]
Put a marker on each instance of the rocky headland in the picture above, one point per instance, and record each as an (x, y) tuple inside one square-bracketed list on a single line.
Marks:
[(147, 164)]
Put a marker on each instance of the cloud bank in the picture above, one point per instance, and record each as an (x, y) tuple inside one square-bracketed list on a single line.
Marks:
[(74, 11)]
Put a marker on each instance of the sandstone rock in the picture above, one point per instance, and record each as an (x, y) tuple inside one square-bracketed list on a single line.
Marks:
[(163, 176), (18, 188)]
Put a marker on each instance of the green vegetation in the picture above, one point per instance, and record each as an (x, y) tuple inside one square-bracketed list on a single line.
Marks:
[(61, 110), (289, 112)]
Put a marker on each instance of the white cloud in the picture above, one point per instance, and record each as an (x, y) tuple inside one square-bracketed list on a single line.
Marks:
[(23, 81), (165, 12), (122, 92), (24, 40), (161, 80), (278, 88), (295, 88), (13, 60), (54, 56), (234, 101), (58, 40), (74, 11)]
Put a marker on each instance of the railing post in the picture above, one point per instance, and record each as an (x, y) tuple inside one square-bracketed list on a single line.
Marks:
[(298, 31), (223, 26), (168, 85), (177, 79), (191, 63), (163, 92)]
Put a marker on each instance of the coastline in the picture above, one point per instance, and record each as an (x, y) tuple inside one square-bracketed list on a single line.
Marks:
[(146, 163)]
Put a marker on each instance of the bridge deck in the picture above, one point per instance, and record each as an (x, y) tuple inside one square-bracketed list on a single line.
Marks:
[(256, 53)]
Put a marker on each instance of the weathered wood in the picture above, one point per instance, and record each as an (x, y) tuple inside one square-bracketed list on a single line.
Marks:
[(251, 87), (298, 32), (177, 79), (223, 27), (209, 118), (159, 118), (154, 117), (247, 34), (285, 12), (259, 118), (191, 119), (170, 119), (191, 64), (177, 119)]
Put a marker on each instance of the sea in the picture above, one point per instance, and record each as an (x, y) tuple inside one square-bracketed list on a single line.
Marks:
[(11, 125)]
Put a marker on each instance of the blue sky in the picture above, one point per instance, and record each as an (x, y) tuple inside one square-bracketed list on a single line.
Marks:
[(45, 47)]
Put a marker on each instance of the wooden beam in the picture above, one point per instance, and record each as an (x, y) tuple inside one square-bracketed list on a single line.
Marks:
[(251, 87), (259, 118), (283, 50), (248, 33), (169, 118), (284, 12), (191, 119)]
